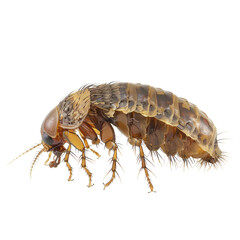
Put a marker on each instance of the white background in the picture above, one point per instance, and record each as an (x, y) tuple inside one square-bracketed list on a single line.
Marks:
[(50, 48)]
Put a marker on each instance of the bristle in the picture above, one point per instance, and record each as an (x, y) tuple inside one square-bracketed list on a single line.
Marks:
[(157, 155), (216, 162), (173, 161)]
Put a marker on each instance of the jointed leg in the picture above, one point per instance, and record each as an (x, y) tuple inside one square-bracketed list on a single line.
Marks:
[(74, 139), (87, 131), (137, 142), (114, 162), (87, 145), (144, 167), (84, 166), (108, 137), (67, 163)]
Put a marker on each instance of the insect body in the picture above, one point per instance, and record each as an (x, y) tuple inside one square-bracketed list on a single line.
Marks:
[(145, 115)]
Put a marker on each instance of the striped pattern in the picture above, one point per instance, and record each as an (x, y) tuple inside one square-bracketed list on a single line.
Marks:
[(157, 103)]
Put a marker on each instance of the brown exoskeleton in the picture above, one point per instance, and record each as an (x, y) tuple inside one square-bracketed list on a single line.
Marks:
[(72, 122), (144, 114)]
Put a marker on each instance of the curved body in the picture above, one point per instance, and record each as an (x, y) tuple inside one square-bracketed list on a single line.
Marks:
[(163, 115), (142, 113)]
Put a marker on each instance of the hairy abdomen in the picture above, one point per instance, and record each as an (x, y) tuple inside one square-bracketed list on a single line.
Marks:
[(159, 117)]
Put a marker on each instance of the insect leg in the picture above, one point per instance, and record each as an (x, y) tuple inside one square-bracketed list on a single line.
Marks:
[(108, 137), (74, 139), (86, 131), (67, 163), (87, 145), (144, 167), (84, 166), (114, 163)]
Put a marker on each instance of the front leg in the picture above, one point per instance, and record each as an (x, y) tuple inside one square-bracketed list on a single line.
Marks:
[(75, 140), (67, 163), (86, 132)]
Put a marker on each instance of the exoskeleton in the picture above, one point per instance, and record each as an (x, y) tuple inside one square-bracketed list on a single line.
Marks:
[(145, 115)]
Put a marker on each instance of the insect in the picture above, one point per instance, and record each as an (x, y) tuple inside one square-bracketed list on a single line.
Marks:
[(145, 115)]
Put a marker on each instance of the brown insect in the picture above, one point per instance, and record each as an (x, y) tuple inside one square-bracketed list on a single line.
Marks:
[(144, 114)]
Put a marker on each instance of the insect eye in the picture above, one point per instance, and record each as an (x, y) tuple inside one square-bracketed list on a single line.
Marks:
[(47, 139)]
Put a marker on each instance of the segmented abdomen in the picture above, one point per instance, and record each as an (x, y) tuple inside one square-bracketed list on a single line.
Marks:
[(159, 104)]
